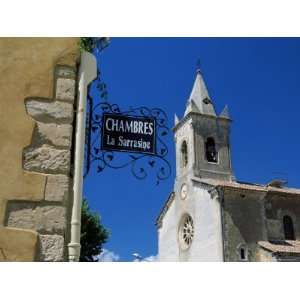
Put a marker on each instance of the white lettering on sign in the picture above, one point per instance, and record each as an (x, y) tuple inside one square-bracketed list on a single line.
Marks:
[(128, 133), (131, 126), (141, 144)]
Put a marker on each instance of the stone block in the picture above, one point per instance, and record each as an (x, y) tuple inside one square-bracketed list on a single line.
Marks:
[(51, 248), (65, 89), (53, 134), (46, 159), (65, 71), (57, 188), (50, 111), (36, 216)]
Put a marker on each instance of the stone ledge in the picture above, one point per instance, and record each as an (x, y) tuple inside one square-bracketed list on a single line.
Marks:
[(43, 218), (51, 248), (46, 159), (47, 111)]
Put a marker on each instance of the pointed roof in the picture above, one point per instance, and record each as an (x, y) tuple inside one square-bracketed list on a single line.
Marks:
[(200, 97), (191, 107), (225, 113), (176, 120)]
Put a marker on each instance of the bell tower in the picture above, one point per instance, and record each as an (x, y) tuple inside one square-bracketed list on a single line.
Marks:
[(202, 137)]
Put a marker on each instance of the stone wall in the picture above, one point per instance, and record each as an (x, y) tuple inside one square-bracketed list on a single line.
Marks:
[(37, 102), (219, 130), (253, 216), (243, 223), (49, 153), (276, 207)]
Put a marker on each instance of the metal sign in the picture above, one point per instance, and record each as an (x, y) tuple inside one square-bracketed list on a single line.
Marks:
[(133, 138), (128, 134)]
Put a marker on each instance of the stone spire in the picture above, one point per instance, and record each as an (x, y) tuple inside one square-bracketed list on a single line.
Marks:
[(176, 120), (199, 97), (225, 113)]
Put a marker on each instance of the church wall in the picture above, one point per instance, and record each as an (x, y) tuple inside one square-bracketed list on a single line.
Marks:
[(183, 207), (205, 211), (167, 236), (253, 216), (244, 223), (207, 244), (276, 207)]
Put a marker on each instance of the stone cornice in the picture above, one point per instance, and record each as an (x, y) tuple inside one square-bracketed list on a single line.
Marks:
[(191, 114)]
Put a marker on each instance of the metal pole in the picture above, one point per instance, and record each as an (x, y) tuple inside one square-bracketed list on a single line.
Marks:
[(87, 73)]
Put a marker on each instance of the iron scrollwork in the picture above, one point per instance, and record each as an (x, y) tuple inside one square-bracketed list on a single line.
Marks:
[(139, 163)]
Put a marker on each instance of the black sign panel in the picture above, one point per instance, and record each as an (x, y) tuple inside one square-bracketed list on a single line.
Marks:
[(129, 134)]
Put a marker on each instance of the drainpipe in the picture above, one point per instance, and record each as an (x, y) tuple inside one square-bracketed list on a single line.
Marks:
[(87, 73)]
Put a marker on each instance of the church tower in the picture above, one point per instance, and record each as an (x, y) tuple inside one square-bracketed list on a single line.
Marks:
[(203, 218), (202, 137), (190, 226)]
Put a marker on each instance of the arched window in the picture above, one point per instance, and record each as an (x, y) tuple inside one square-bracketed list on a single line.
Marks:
[(288, 228), (210, 150), (184, 154), (242, 254)]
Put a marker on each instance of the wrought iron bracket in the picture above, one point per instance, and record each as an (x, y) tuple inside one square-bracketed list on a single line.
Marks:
[(141, 165)]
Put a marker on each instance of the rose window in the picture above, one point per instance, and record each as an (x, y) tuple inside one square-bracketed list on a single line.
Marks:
[(186, 232)]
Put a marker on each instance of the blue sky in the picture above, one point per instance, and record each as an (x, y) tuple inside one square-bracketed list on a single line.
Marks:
[(258, 78)]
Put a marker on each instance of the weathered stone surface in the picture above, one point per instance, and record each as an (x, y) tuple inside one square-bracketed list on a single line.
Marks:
[(53, 134), (46, 159), (51, 248), (65, 89), (39, 217), (57, 188), (65, 71), (275, 229), (50, 111)]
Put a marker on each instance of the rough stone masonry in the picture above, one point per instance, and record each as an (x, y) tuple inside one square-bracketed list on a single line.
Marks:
[(50, 154)]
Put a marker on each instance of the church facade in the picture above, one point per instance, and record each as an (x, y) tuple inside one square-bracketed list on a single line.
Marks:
[(211, 216)]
